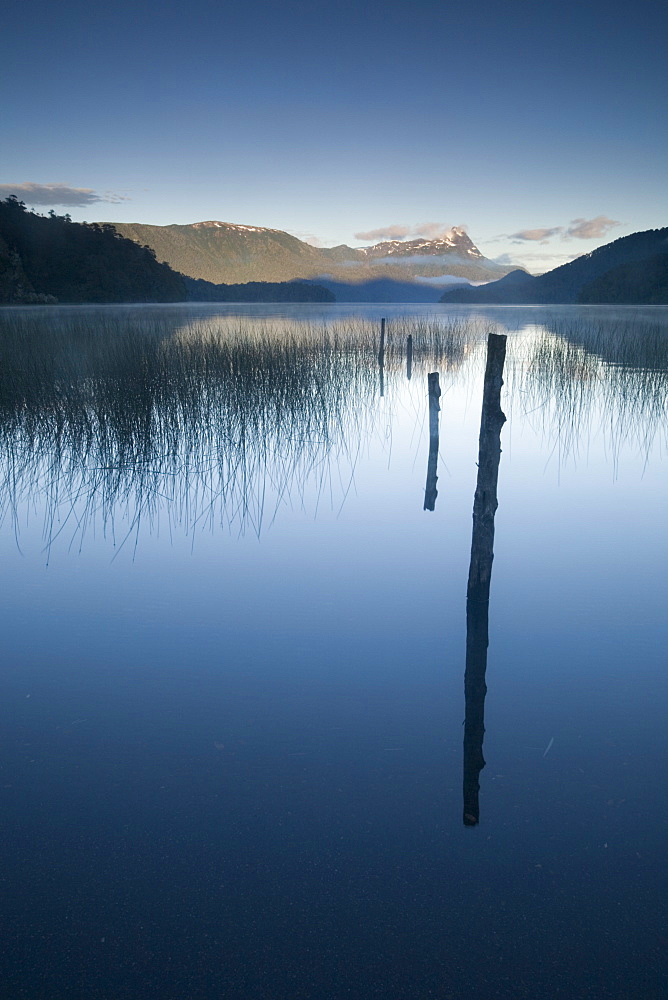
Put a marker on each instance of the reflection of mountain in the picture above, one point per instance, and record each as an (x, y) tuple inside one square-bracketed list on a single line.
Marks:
[(225, 252), (586, 279)]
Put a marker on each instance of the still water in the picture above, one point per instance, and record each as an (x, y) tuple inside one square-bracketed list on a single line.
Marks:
[(235, 638)]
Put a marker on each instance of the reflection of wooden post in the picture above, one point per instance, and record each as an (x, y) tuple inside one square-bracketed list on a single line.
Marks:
[(381, 357), (409, 356), (480, 575), (430, 492)]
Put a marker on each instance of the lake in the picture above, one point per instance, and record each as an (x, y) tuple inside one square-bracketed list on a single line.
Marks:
[(242, 587)]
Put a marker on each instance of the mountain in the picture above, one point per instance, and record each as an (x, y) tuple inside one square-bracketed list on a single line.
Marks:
[(47, 259), (642, 282), (50, 258), (230, 253), (257, 291), (382, 290), (454, 242), (591, 278)]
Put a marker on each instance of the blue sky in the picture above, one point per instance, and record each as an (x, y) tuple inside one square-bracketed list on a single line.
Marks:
[(540, 127)]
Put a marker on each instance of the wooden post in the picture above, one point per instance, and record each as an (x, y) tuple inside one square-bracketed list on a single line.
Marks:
[(434, 390), (381, 357), (409, 356), (381, 349), (480, 574), (430, 491)]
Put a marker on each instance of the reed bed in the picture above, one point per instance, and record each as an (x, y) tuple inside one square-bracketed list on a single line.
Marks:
[(127, 417), (601, 377), (124, 417)]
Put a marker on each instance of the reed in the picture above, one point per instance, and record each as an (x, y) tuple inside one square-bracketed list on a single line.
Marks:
[(125, 416)]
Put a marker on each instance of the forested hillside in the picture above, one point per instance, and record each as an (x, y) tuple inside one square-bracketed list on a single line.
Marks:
[(620, 272), (257, 291), (51, 258)]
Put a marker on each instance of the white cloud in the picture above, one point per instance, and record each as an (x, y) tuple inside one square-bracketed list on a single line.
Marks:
[(536, 263), (309, 238), (418, 258), (58, 194), (426, 230), (446, 279), (386, 233), (541, 235), (505, 259), (436, 230), (580, 229), (590, 229)]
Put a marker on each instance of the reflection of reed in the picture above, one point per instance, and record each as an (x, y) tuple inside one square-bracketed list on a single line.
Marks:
[(128, 415), (131, 413), (604, 375), (480, 575)]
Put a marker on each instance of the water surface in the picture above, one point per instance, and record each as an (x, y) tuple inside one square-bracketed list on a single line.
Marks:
[(235, 642)]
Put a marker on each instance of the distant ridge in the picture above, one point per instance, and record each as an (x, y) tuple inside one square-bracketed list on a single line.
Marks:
[(50, 259), (225, 252), (584, 279), (382, 290)]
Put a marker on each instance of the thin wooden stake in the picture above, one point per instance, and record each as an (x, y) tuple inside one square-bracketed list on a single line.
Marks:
[(430, 491), (381, 358), (480, 574), (381, 350)]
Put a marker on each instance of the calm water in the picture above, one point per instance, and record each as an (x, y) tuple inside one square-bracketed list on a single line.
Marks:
[(234, 651)]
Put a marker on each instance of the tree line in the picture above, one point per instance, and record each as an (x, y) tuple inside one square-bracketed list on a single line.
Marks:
[(48, 258)]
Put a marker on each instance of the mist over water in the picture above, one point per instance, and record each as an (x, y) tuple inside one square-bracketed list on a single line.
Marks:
[(237, 626)]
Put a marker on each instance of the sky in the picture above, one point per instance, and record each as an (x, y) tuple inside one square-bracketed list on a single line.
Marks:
[(539, 127)]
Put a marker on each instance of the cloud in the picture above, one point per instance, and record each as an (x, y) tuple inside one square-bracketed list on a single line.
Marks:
[(58, 194), (506, 259), (590, 229), (537, 263), (436, 230), (388, 233), (446, 279), (579, 229), (418, 258), (309, 238), (426, 230), (539, 235)]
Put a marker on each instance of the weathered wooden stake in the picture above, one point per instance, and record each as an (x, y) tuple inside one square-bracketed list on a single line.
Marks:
[(434, 405), (381, 358), (430, 491), (480, 574), (381, 349), (409, 356)]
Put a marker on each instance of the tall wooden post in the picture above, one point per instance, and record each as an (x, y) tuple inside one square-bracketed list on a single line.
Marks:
[(381, 357), (381, 349), (485, 504), (430, 491)]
